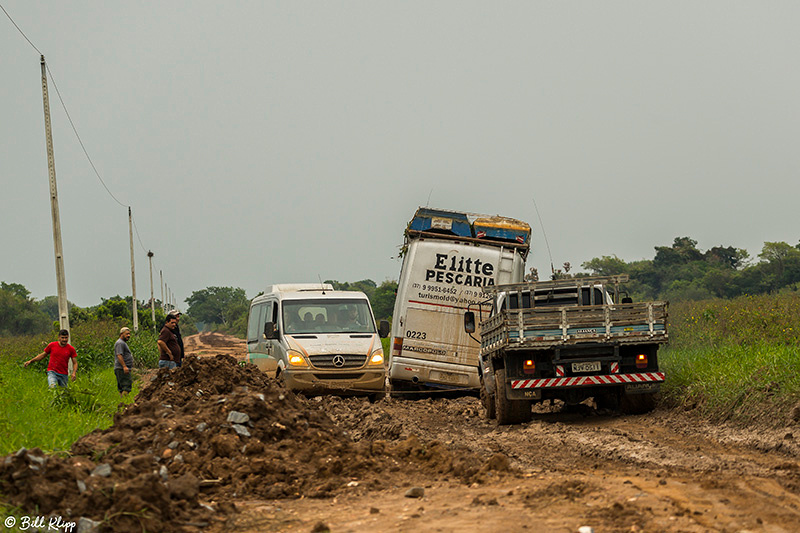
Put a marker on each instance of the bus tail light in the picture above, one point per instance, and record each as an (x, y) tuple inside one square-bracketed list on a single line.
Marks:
[(397, 346)]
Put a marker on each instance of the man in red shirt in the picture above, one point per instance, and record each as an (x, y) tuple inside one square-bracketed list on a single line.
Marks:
[(58, 366)]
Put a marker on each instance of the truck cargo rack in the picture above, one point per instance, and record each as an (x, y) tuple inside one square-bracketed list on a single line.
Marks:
[(542, 327), (577, 283)]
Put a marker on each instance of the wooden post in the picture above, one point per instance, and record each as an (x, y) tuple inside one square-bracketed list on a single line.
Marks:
[(61, 283), (133, 274), (152, 297)]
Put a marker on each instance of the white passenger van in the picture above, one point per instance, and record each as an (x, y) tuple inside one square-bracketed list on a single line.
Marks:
[(448, 257), (316, 339)]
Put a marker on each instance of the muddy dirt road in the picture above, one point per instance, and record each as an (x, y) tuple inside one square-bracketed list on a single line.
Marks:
[(215, 446), (657, 472), (665, 471)]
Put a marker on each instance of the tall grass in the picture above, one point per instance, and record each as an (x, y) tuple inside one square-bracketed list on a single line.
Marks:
[(32, 415), (735, 360)]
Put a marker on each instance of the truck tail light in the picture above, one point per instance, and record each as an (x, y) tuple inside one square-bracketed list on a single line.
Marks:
[(528, 366), (641, 360), (397, 346)]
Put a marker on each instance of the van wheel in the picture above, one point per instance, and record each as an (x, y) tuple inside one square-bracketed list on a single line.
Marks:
[(509, 411), (280, 379)]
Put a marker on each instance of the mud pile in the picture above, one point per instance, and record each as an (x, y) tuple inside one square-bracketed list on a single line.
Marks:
[(199, 437)]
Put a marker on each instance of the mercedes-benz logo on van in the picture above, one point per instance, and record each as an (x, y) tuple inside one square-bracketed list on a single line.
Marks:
[(338, 361)]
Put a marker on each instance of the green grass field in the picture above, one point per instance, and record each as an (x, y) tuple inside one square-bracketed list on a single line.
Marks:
[(32, 415), (736, 360)]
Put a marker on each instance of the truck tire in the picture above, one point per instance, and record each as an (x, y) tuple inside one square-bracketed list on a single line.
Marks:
[(509, 411), (637, 404), (608, 400), (488, 402)]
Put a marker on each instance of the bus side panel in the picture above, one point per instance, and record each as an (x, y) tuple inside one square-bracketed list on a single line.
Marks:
[(438, 335), (439, 281)]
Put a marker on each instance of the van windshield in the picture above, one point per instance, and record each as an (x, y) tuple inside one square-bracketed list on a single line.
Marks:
[(327, 316)]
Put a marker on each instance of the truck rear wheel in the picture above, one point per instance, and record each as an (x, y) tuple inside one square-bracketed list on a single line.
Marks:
[(509, 411), (608, 400), (488, 402), (638, 404)]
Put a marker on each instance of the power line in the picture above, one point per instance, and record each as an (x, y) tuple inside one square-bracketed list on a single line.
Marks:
[(136, 230), (74, 129), (19, 29), (80, 140)]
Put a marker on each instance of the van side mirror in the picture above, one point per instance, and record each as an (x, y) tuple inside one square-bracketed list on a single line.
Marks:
[(270, 330), (383, 329), (469, 322)]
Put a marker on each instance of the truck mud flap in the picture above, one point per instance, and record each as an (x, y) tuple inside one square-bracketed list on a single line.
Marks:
[(524, 394), (641, 388)]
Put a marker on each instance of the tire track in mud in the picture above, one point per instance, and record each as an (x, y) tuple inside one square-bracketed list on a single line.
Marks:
[(664, 471)]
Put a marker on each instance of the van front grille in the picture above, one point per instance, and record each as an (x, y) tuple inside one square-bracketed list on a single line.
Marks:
[(331, 360)]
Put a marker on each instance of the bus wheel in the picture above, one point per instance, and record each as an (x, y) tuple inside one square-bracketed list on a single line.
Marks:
[(397, 389)]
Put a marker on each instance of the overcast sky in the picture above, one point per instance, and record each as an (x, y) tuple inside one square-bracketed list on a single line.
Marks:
[(267, 142)]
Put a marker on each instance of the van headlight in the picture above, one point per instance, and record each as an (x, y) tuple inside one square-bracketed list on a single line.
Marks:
[(296, 358), (377, 357)]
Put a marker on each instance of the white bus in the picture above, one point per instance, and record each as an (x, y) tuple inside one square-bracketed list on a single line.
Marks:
[(448, 257)]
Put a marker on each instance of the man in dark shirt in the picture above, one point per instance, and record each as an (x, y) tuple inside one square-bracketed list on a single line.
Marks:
[(177, 332), (168, 347)]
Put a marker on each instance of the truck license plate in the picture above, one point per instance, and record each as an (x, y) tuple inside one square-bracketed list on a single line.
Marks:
[(591, 366), (448, 377)]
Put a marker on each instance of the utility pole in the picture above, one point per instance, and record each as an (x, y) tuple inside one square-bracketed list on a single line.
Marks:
[(61, 283), (166, 302), (161, 276), (152, 298), (133, 274)]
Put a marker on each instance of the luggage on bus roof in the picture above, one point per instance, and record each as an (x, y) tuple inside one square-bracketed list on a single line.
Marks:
[(502, 228), (438, 221)]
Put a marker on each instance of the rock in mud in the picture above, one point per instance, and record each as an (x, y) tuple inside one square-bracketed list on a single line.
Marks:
[(415, 492)]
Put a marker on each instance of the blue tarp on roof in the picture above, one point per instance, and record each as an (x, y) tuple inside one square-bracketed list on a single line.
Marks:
[(502, 231), (441, 221)]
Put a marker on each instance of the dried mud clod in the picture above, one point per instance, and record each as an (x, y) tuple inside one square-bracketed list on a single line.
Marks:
[(215, 431)]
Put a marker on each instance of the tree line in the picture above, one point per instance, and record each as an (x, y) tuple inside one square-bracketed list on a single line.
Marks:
[(684, 272), (677, 272), (225, 309), (22, 315)]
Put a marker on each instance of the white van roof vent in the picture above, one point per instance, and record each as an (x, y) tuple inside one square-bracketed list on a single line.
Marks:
[(299, 287)]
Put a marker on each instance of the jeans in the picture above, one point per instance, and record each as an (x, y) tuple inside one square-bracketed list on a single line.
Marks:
[(54, 378), (163, 363)]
